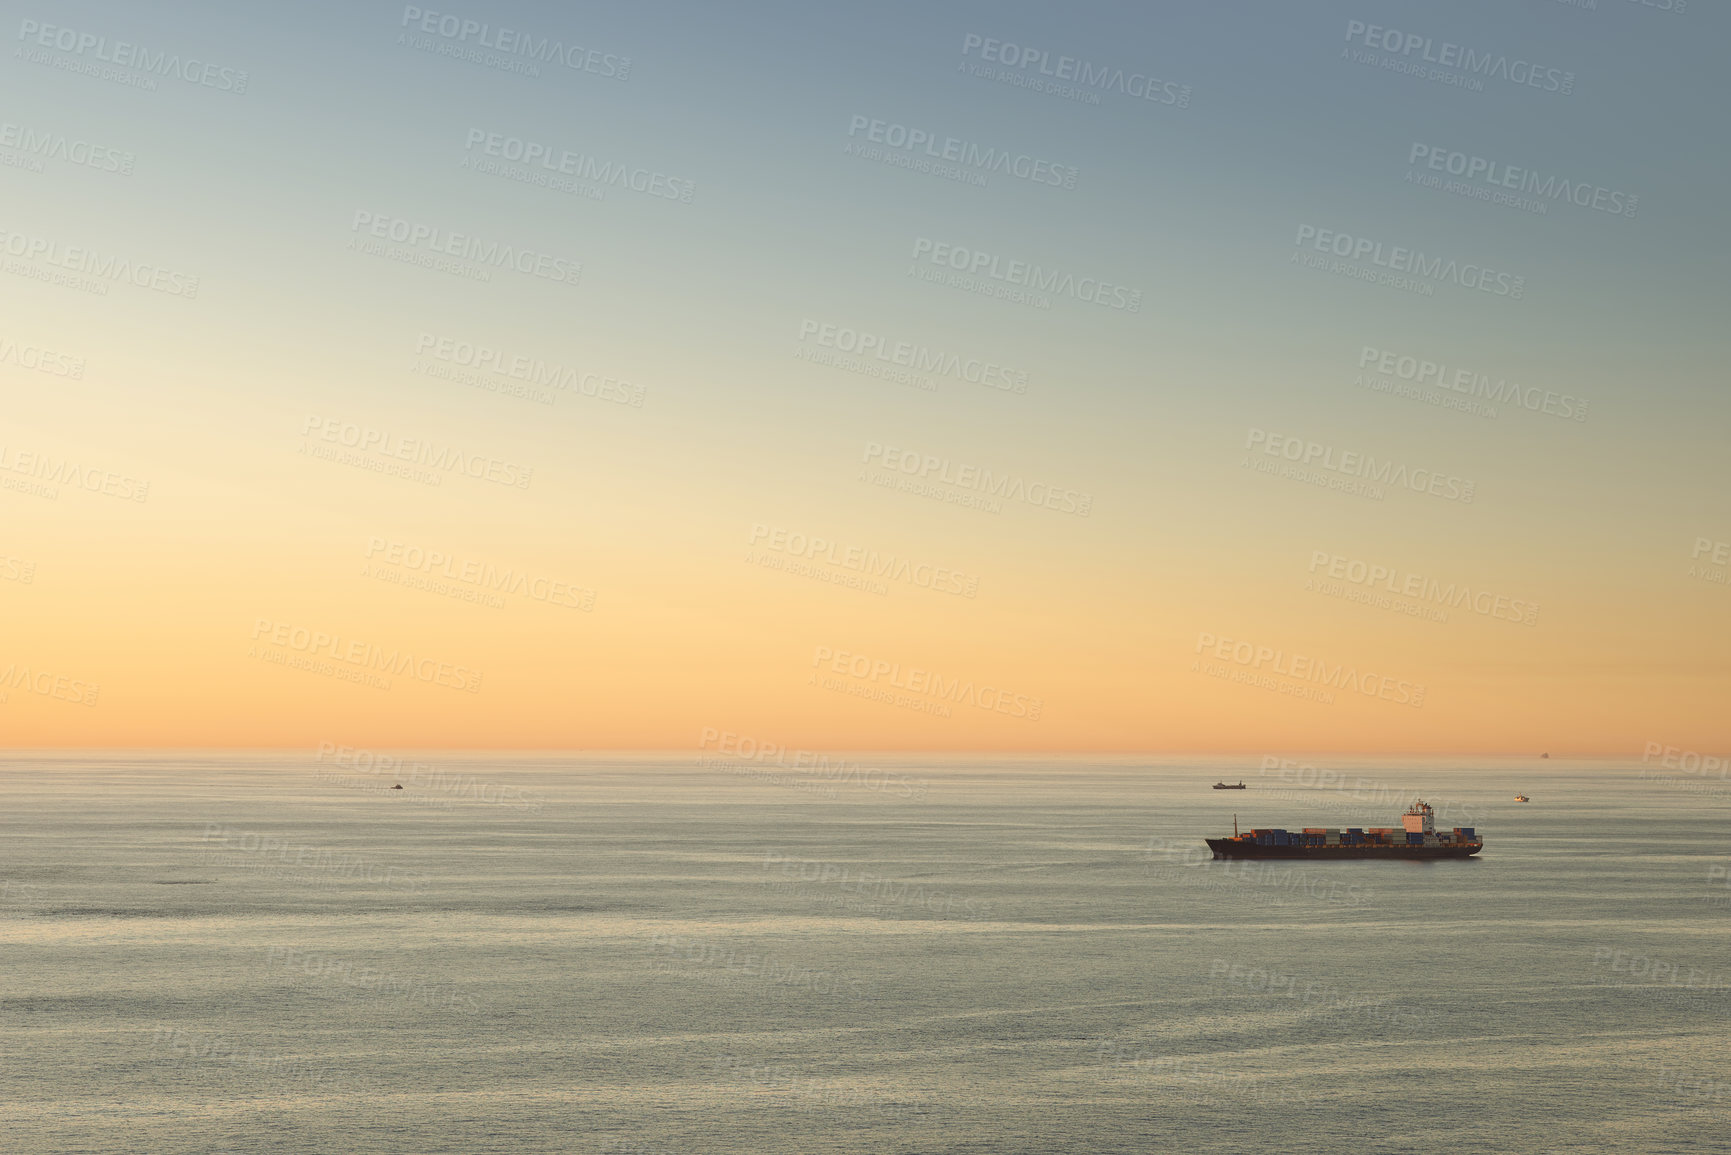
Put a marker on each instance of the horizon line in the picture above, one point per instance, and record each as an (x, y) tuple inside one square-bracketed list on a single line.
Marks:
[(6, 751)]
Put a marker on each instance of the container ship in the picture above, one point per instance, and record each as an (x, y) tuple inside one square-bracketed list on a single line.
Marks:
[(1416, 837)]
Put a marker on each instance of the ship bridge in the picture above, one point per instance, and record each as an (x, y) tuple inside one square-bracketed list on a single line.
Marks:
[(1419, 819)]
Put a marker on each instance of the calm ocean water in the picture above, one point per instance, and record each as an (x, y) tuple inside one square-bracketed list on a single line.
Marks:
[(519, 954)]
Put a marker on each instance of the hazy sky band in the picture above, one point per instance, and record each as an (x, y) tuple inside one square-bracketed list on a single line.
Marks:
[(1077, 337)]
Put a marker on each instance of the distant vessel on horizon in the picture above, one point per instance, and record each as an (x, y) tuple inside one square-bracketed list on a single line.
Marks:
[(1229, 786), (1522, 798)]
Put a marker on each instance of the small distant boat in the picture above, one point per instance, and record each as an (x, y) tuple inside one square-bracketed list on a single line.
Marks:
[(1544, 755), (1229, 786), (398, 786), (1522, 798)]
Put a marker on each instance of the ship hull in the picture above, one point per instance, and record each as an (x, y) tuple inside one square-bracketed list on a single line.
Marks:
[(1227, 848)]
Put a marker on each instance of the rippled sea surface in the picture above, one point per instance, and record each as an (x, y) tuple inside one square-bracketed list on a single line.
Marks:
[(264, 953)]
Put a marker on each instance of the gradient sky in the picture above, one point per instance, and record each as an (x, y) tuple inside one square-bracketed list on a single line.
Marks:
[(647, 513)]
